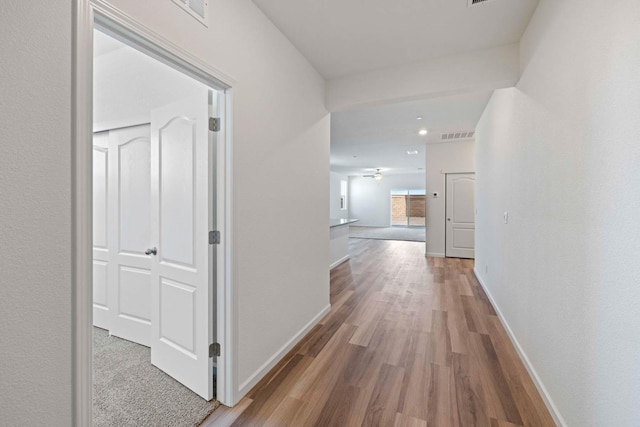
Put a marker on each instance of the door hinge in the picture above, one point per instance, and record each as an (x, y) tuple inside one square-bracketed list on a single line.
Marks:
[(214, 124), (214, 350), (214, 237)]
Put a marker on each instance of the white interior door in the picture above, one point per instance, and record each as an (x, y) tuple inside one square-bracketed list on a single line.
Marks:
[(101, 312), (130, 233), (182, 201), (460, 227)]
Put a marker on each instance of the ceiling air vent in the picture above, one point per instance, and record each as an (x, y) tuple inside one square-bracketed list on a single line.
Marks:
[(195, 8), (477, 2), (455, 136)]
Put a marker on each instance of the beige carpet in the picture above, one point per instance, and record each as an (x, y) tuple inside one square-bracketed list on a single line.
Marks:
[(129, 391)]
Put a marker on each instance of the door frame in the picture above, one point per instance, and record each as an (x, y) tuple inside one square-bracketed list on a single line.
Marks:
[(87, 15)]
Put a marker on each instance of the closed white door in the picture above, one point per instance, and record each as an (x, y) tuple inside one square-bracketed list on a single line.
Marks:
[(101, 312), (130, 216), (460, 214), (182, 200)]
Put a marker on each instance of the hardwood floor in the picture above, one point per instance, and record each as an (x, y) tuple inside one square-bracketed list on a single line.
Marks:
[(410, 341)]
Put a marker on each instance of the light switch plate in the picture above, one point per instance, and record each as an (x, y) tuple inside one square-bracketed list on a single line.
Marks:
[(506, 217)]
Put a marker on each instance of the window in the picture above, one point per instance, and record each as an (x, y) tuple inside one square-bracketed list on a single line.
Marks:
[(343, 195), (408, 208)]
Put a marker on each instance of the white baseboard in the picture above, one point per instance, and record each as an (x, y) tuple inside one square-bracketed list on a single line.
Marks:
[(435, 254), (338, 262), (263, 370), (523, 356)]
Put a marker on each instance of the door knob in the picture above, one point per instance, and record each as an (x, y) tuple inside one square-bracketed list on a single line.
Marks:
[(448, 219), (151, 251)]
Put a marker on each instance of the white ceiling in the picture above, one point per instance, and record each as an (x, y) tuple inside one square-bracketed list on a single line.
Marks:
[(342, 37), (380, 136)]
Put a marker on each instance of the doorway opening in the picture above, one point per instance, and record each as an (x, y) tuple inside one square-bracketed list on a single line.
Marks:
[(160, 222), (154, 203)]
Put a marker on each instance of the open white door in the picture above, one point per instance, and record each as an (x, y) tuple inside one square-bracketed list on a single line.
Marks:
[(101, 312), (182, 283), (461, 222), (130, 233)]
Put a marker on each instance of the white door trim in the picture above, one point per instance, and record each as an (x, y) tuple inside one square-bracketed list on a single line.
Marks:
[(88, 14)]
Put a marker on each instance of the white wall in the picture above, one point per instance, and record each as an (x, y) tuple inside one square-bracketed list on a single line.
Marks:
[(560, 152), (370, 199), (280, 260), (334, 196), (473, 71), (35, 213), (440, 159)]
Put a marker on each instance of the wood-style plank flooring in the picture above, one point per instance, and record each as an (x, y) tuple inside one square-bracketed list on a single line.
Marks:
[(410, 341)]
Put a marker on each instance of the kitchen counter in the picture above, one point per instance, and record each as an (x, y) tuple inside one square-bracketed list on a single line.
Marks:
[(333, 222), (339, 241)]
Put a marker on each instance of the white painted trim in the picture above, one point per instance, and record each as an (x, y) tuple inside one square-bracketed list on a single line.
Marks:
[(88, 13), (548, 401), (121, 26), (435, 254), (82, 217), (230, 328), (263, 370), (340, 261), (148, 40)]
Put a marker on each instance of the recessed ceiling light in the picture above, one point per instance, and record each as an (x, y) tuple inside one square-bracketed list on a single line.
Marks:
[(412, 152), (423, 132), (419, 118)]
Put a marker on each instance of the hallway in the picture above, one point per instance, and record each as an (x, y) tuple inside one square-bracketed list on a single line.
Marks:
[(410, 341)]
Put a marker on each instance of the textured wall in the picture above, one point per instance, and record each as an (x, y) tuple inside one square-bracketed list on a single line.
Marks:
[(560, 153), (35, 213)]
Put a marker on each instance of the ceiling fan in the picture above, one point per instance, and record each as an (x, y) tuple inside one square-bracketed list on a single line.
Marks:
[(377, 175)]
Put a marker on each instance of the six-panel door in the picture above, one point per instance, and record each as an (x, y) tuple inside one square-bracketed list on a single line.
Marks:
[(460, 214), (181, 205), (130, 216), (101, 255)]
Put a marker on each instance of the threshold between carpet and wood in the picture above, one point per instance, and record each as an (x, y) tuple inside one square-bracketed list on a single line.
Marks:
[(129, 391), (409, 234)]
